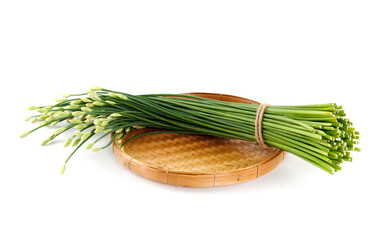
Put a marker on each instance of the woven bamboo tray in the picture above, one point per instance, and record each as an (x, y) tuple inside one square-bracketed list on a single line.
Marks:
[(196, 160)]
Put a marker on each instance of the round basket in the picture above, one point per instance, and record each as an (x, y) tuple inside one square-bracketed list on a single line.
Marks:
[(196, 160)]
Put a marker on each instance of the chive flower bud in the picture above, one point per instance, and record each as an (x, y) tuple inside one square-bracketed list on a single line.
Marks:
[(111, 102), (49, 119), (61, 114), (27, 118), (98, 103), (85, 136), (89, 146), (54, 123), (67, 142), (97, 122), (86, 100), (76, 102), (24, 134), (59, 131), (93, 95), (89, 105), (81, 126), (75, 142), (77, 113), (90, 119), (32, 108), (115, 115), (99, 129), (43, 117), (119, 130), (44, 142), (71, 107), (119, 95), (33, 120), (108, 130), (75, 121), (62, 169), (58, 100), (78, 133), (86, 109), (96, 88), (66, 95), (42, 110), (104, 123)]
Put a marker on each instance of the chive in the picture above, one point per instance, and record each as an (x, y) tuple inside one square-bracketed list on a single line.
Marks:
[(318, 133)]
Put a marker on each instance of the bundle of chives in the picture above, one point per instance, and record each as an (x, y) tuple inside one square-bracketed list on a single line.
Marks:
[(318, 133)]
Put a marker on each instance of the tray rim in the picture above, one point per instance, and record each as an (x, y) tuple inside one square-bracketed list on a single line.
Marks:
[(206, 179)]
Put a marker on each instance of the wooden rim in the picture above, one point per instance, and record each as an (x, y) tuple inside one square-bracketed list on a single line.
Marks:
[(195, 160)]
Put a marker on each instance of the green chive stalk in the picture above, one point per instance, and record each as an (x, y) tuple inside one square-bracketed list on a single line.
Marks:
[(320, 134)]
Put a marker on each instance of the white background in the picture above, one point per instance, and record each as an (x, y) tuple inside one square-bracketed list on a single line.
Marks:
[(280, 52)]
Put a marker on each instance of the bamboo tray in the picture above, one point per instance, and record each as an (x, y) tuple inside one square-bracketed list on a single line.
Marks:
[(196, 160)]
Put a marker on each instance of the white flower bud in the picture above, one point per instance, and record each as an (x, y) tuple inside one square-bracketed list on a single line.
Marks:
[(89, 146), (108, 130), (111, 102), (104, 123), (71, 107), (97, 121), (75, 142), (86, 100), (58, 100), (85, 136), (96, 88), (115, 115), (42, 110), (81, 126), (75, 121), (67, 142), (32, 108), (98, 129), (49, 119), (59, 130), (61, 115), (76, 102), (86, 109), (27, 118), (90, 120), (43, 117), (93, 95), (44, 142), (123, 97), (78, 133), (54, 123), (77, 113), (62, 169), (66, 95), (33, 120), (24, 134), (119, 130), (98, 103)]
